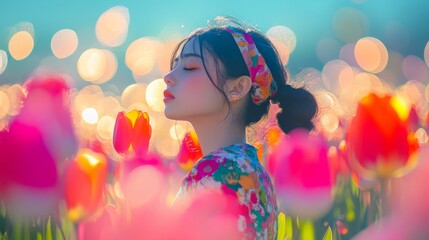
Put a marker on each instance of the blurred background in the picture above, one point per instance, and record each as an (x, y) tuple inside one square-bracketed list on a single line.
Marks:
[(320, 28), (115, 53)]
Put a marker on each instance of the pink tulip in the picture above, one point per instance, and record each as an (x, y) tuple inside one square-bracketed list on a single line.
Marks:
[(102, 228), (410, 197), (303, 178), (388, 228), (37, 139)]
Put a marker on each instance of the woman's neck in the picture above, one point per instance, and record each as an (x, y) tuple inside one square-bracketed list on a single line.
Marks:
[(213, 134)]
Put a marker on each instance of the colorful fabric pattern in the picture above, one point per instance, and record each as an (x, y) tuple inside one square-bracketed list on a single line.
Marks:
[(237, 168), (263, 84)]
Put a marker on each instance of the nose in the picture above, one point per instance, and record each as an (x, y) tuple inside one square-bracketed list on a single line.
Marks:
[(168, 79)]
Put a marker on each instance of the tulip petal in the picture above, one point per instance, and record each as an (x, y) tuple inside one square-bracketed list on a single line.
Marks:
[(85, 178), (123, 132), (141, 134), (190, 151), (379, 138)]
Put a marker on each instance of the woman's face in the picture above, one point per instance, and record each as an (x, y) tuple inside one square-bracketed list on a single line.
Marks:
[(190, 94)]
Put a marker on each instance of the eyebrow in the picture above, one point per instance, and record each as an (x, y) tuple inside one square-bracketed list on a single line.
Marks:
[(187, 55)]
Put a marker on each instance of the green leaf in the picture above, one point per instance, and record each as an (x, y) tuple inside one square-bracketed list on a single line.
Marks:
[(26, 231), (17, 231), (281, 226), (307, 230), (328, 234), (289, 227), (49, 229), (39, 236)]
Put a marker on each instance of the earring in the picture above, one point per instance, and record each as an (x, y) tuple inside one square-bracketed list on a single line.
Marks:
[(232, 97)]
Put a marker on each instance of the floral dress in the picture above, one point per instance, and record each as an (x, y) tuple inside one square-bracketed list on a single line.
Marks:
[(237, 168)]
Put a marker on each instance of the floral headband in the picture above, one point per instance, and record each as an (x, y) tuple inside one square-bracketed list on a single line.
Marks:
[(263, 84)]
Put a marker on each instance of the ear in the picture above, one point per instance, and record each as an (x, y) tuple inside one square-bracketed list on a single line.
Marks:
[(238, 88)]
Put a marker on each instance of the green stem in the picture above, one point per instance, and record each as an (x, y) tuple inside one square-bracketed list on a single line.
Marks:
[(295, 229)]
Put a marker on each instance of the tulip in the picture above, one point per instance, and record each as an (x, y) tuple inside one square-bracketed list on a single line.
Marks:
[(84, 181), (37, 139), (101, 228), (410, 196), (214, 212), (379, 141), (303, 178), (391, 228), (132, 133), (46, 108), (274, 136), (190, 151)]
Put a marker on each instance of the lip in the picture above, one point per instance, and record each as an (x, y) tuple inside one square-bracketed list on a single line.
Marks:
[(168, 96)]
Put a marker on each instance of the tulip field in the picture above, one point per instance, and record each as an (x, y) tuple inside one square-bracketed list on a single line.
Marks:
[(86, 152)]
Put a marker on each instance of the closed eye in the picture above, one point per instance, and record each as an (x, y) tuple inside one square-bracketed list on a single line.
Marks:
[(189, 69)]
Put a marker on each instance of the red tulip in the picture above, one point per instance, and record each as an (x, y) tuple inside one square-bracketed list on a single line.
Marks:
[(190, 151), (85, 178), (379, 141), (303, 178), (132, 133)]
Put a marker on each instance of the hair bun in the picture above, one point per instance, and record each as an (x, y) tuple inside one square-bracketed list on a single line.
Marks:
[(298, 108)]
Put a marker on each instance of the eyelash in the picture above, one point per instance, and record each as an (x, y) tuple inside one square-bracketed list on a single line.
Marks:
[(189, 69)]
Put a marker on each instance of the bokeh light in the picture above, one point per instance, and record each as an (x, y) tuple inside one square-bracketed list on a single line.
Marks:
[(426, 54), (164, 55), (415, 68), (421, 136), (155, 95), (327, 49), (141, 54), (334, 72), (64, 43), (115, 59), (397, 37), (21, 45), (371, 54), (90, 115), (177, 132), (347, 54), (3, 61), (350, 24), (330, 122), (112, 26), (393, 74), (284, 39), (105, 127), (97, 65), (16, 94), (134, 94), (4, 104)]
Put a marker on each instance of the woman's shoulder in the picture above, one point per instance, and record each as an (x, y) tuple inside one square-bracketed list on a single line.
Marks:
[(227, 165), (240, 155)]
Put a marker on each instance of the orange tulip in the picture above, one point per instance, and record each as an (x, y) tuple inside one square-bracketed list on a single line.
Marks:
[(85, 177), (132, 133), (190, 151), (379, 141)]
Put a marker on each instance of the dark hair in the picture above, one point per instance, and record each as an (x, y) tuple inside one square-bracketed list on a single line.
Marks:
[(297, 104)]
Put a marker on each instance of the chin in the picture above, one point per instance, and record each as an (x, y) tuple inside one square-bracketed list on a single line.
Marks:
[(172, 115)]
